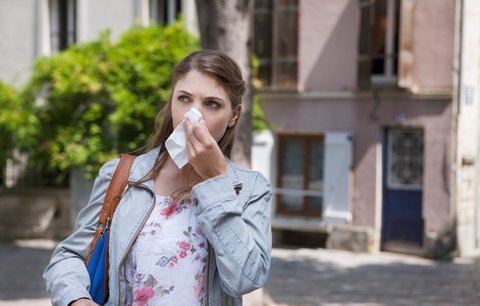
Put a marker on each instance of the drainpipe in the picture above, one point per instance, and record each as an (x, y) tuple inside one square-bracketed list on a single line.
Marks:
[(477, 180), (456, 109)]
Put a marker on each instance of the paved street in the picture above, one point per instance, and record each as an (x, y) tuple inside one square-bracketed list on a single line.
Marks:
[(326, 277), (21, 269), (298, 277)]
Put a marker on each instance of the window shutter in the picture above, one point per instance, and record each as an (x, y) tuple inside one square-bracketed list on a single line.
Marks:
[(45, 44), (143, 12), (338, 161), (262, 152), (364, 47), (405, 61)]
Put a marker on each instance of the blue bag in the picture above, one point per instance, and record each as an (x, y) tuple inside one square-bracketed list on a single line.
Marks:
[(98, 270), (97, 259)]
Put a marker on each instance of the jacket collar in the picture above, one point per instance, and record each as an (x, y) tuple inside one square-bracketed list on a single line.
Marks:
[(145, 162)]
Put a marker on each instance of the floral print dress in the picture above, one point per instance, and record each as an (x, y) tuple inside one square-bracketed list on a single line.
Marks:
[(167, 263)]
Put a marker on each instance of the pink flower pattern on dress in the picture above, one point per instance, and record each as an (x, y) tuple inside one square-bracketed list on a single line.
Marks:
[(184, 245), (170, 210), (173, 261), (141, 296), (148, 286), (199, 284)]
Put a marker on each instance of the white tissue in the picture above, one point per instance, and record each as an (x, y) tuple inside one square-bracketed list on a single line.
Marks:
[(176, 144)]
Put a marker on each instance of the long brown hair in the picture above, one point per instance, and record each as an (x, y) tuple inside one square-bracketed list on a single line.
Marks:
[(227, 74)]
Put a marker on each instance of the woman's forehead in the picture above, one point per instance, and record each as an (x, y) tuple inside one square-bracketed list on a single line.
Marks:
[(199, 83)]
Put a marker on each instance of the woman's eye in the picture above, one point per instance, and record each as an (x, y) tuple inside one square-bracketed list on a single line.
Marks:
[(213, 104), (183, 98)]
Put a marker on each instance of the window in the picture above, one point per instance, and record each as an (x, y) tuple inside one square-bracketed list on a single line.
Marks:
[(379, 37), (405, 162), (62, 24), (165, 11), (300, 175), (275, 43)]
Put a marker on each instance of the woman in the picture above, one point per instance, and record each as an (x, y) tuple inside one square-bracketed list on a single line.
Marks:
[(189, 236)]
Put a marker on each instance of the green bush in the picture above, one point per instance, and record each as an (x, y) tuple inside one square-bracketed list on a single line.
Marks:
[(97, 99), (10, 118), (258, 118)]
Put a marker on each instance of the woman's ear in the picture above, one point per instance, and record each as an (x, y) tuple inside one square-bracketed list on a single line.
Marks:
[(236, 114)]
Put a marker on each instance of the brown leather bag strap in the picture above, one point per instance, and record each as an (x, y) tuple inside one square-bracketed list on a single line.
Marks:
[(115, 189)]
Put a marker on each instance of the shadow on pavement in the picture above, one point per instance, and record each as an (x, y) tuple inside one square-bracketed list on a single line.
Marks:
[(21, 270), (300, 277), (307, 281)]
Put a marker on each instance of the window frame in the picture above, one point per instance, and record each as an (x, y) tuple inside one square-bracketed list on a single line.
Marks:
[(391, 55), (279, 190), (60, 37), (388, 76), (274, 59), (392, 134), (172, 9)]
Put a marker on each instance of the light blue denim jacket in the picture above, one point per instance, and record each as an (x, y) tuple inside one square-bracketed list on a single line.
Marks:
[(237, 227)]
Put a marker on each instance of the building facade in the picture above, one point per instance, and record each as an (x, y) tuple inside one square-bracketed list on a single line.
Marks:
[(373, 106), (374, 113), (33, 28)]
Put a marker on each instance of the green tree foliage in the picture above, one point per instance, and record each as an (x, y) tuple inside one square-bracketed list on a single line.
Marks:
[(97, 99), (10, 118), (258, 118)]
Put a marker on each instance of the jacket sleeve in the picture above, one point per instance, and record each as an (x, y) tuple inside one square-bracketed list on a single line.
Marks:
[(66, 276), (238, 230)]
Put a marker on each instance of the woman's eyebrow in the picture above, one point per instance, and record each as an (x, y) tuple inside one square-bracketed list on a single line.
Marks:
[(214, 98), (209, 97), (184, 92)]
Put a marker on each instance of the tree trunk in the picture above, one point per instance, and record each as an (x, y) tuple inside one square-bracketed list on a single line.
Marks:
[(225, 26)]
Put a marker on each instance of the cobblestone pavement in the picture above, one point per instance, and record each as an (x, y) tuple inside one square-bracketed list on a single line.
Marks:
[(327, 277), (21, 269), (298, 277)]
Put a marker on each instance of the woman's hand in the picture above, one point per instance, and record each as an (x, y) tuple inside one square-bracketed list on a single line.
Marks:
[(83, 302), (204, 154)]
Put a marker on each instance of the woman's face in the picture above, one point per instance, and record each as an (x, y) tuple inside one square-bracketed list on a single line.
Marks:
[(199, 90)]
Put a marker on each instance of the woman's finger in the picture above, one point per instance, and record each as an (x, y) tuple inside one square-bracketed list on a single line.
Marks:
[(190, 148), (191, 136), (202, 132)]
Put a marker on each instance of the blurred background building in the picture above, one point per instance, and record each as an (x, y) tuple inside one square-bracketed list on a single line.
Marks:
[(373, 107), (33, 28)]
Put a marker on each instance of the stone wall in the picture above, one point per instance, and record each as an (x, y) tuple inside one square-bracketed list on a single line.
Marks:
[(35, 214)]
